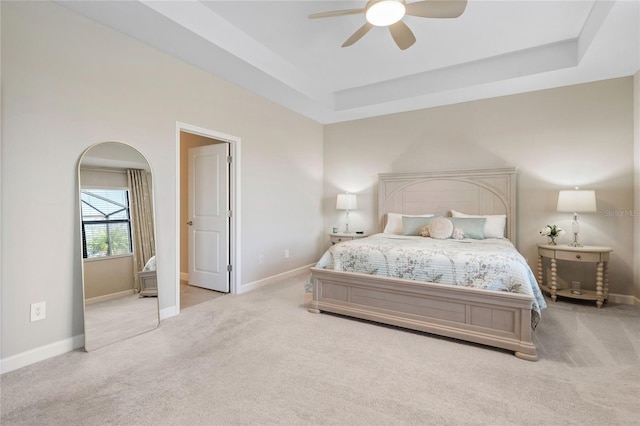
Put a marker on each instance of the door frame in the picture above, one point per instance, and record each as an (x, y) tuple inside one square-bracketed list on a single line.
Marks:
[(234, 202)]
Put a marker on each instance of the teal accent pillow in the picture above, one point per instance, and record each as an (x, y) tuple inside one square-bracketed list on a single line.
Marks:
[(472, 227), (412, 225)]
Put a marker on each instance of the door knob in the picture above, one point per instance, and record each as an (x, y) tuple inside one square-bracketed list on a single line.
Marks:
[(190, 223)]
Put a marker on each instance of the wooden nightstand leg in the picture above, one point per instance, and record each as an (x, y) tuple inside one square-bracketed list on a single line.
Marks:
[(554, 279), (606, 281), (599, 282), (540, 274)]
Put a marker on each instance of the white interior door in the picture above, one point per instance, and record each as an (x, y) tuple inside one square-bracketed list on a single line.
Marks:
[(208, 217)]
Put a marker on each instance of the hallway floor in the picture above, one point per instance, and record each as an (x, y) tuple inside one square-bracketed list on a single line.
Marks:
[(192, 295)]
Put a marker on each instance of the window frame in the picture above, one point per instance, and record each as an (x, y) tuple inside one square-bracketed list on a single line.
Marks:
[(129, 221)]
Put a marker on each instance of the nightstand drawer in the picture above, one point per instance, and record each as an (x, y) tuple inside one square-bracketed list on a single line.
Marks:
[(341, 237), (578, 257), (335, 239)]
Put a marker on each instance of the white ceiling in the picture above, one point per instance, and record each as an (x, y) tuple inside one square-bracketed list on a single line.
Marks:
[(495, 48)]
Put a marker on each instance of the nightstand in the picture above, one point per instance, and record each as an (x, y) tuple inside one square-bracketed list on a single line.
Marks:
[(339, 237), (593, 254)]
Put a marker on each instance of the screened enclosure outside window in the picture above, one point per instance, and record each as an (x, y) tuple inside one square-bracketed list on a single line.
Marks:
[(106, 223)]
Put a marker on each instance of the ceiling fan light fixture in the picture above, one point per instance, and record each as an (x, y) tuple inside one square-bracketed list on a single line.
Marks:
[(383, 13)]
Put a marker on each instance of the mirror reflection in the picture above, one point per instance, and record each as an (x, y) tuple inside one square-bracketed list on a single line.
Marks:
[(118, 244)]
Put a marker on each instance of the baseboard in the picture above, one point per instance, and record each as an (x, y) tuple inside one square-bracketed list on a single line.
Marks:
[(168, 312), (275, 278), (109, 297), (172, 311), (41, 353), (625, 299)]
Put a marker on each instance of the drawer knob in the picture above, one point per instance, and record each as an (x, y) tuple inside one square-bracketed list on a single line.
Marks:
[(577, 256)]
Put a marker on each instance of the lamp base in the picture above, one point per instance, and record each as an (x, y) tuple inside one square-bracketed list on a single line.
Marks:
[(575, 242), (346, 223)]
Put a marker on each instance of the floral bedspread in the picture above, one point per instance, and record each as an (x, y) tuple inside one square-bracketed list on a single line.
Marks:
[(491, 264)]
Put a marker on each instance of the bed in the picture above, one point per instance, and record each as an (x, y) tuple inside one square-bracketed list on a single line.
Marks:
[(416, 295)]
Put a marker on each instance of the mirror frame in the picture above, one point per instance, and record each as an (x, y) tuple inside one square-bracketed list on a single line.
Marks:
[(82, 259)]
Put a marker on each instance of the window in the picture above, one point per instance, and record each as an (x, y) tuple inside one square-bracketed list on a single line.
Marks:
[(106, 223)]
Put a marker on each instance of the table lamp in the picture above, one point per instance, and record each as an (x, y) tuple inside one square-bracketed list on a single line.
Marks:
[(346, 202), (576, 201)]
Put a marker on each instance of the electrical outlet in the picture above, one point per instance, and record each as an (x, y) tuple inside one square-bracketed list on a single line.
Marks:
[(261, 259), (38, 311), (286, 253)]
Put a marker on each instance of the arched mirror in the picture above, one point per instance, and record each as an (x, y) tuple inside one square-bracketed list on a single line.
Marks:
[(118, 244)]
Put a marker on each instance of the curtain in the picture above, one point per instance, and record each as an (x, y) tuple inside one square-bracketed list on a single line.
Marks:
[(142, 229)]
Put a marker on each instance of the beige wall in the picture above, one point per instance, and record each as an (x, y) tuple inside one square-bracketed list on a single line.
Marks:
[(187, 140), (108, 276), (578, 135), (98, 178), (67, 83)]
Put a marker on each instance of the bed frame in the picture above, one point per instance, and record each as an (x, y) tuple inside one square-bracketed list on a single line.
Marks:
[(148, 283), (497, 319)]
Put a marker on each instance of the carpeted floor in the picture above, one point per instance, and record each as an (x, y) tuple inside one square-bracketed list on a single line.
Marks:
[(118, 319), (261, 358)]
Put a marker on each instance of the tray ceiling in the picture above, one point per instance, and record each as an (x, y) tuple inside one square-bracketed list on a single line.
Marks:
[(495, 48)]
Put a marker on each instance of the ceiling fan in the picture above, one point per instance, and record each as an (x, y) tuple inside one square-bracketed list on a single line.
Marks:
[(389, 13)]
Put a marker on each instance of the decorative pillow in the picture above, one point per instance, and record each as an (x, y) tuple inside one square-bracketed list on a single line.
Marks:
[(458, 234), (425, 231), (440, 228), (471, 227), (394, 222), (493, 228), (413, 225)]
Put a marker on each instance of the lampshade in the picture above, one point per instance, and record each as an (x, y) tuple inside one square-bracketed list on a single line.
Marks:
[(346, 202), (384, 12), (577, 201)]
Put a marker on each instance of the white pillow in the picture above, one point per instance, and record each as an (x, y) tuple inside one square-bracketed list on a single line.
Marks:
[(394, 222), (150, 265), (493, 227), (440, 228)]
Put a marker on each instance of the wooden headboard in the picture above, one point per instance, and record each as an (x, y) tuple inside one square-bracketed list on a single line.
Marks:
[(486, 191)]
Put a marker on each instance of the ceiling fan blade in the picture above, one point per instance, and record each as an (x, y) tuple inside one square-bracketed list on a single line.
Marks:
[(436, 8), (402, 35), (333, 13), (358, 34)]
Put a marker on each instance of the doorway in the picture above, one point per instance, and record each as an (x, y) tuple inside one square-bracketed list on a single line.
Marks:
[(188, 136)]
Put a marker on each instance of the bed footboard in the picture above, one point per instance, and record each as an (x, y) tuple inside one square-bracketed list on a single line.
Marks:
[(491, 318)]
